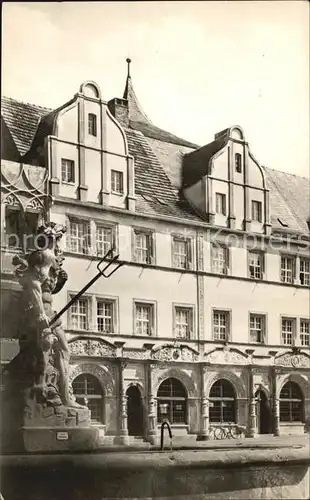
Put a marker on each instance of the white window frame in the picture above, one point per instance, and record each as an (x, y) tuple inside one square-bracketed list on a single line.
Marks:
[(151, 329), (285, 272), (219, 265), (304, 271), (221, 204), (115, 188), (190, 323), (83, 241), (67, 168), (254, 329), (218, 336), (288, 337), (257, 211), (113, 304), (187, 255), (149, 249), (238, 167), (92, 124), (304, 333), (257, 267), (87, 300), (104, 242)]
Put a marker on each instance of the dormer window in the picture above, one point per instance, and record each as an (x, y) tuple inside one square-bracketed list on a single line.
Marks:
[(117, 184), (257, 211), (238, 162), (92, 124), (220, 203)]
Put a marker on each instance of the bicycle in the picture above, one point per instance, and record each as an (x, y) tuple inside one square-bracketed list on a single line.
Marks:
[(229, 431)]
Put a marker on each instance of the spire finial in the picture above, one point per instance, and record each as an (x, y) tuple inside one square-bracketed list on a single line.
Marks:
[(128, 61)]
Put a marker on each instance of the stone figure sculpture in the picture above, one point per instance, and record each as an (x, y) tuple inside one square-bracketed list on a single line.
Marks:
[(37, 390)]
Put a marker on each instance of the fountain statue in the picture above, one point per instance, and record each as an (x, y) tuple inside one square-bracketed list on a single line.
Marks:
[(39, 410)]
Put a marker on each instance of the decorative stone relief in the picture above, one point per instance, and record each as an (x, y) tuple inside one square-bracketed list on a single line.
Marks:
[(90, 347), (293, 360), (135, 354), (101, 373), (171, 353), (234, 378), (188, 381), (227, 356)]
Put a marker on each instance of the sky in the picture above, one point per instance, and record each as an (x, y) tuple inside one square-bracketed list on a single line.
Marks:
[(197, 67)]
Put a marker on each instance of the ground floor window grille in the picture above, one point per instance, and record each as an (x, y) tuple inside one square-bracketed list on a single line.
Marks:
[(291, 403), (88, 392), (172, 402), (222, 401)]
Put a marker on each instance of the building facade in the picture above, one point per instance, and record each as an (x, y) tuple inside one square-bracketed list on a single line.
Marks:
[(207, 322)]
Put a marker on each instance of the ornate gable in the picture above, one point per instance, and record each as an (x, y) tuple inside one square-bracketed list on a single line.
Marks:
[(92, 347), (170, 352), (226, 355), (294, 360)]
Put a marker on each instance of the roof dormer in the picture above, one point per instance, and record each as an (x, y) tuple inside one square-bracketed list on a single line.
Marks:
[(226, 184)]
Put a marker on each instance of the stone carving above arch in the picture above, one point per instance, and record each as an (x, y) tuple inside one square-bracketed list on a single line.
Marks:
[(91, 347), (234, 379), (135, 354), (135, 383), (300, 379), (176, 352), (177, 373), (262, 388), (294, 360), (227, 356), (100, 372)]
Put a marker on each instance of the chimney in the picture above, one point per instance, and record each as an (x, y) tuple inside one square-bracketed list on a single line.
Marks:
[(119, 109)]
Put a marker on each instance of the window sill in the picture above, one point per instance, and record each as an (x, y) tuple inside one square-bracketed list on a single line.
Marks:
[(174, 426), (116, 193), (292, 424), (68, 183)]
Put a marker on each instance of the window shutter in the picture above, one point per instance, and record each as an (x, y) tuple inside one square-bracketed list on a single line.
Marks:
[(133, 246), (227, 257), (173, 252), (189, 253), (87, 238), (151, 247), (262, 263), (113, 242)]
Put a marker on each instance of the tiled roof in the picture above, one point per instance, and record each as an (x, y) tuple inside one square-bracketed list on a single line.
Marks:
[(22, 119), (155, 193), (158, 167), (289, 199)]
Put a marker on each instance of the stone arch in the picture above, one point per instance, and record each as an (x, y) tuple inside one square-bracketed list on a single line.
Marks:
[(299, 379), (265, 390), (180, 375), (235, 381), (100, 372), (137, 384)]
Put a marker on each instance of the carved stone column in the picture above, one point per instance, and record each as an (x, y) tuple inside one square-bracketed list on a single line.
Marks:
[(152, 407), (252, 431), (204, 409), (123, 428), (276, 406), (276, 417)]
